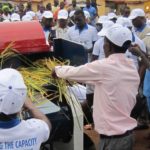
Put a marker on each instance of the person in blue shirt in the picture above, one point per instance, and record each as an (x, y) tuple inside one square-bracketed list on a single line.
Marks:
[(92, 11)]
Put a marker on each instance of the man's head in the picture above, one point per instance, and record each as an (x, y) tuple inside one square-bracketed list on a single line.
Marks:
[(56, 3), (88, 3), (13, 91), (47, 19), (21, 7), (29, 6), (62, 18), (41, 8), (138, 17), (112, 16), (62, 5), (125, 11), (79, 19), (117, 40), (74, 3), (105, 26), (49, 7), (101, 20), (125, 22)]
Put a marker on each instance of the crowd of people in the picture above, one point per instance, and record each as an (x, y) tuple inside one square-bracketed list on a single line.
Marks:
[(116, 76)]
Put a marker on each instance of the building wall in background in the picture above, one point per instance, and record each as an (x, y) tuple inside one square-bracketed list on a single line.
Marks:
[(101, 7)]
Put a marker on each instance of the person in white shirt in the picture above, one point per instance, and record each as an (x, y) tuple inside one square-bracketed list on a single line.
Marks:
[(6, 13), (27, 18), (135, 40), (32, 14), (40, 12), (15, 133), (82, 33), (62, 28), (15, 17), (47, 23)]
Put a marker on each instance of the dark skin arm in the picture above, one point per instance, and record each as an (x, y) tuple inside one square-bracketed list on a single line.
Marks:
[(35, 113), (135, 50)]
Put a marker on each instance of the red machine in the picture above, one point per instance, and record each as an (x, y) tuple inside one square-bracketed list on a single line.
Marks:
[(28, 37)]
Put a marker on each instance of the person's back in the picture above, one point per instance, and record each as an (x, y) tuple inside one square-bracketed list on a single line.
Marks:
[(138, 18), (117, 89), (15, 133), (27, 134), (116, 83)]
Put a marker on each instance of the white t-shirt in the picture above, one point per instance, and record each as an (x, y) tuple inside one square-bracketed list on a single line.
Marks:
[(79, 91), (98, 49), (28, 135), (39, 15), (6, 17), (86, 37)]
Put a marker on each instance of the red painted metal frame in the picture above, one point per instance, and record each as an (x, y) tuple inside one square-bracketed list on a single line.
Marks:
[(28, 37)]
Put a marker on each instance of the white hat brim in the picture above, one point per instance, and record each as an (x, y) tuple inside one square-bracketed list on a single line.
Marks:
[(62, 17), (103, 32)]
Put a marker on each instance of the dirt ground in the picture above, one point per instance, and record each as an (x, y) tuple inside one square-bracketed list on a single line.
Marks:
[(140, 142)]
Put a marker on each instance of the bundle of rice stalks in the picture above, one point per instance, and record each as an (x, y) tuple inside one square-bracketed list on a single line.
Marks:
[(7, 53), (39, 74)]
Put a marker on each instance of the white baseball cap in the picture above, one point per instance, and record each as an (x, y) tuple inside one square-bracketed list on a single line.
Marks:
[(15, 17), (106, 25), (112, 15), (13, 91), (86, 14), (137, 13), (102, 19), (63, 14), (118, 34), (125, 22), (71, 14), (27, 18), (47, 14)]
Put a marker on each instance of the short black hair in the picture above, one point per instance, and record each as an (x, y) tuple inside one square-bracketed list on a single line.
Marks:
[(119, 49), (78, 12)]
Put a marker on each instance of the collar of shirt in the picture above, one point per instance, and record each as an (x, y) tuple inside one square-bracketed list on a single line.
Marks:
[(84, 28), (9, 124), (117, 56), (140, 29)]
